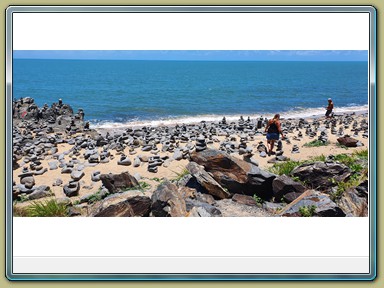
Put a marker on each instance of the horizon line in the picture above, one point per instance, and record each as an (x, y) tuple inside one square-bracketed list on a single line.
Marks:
[(193, 60)]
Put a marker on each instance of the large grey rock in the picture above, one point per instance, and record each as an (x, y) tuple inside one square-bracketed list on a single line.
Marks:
[(118, 182), (167, 201), (206, 181), (319, 174), (324, 206), (77, 175), (201, 209)]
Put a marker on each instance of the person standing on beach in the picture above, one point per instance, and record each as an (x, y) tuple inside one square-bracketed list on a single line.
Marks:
[(329, 108), (273, 130)]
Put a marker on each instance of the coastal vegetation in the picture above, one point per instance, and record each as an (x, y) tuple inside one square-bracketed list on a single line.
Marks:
[(49, 208)]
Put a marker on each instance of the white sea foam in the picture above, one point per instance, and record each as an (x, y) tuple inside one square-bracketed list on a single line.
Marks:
[(296, 113)]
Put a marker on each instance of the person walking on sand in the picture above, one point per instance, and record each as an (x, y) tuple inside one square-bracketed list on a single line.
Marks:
[(273, 130), (329, 108)]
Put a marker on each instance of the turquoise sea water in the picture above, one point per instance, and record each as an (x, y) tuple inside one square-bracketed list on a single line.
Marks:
[(123, 91)]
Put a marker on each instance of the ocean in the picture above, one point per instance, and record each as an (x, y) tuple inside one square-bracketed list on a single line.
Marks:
[(116, 93)]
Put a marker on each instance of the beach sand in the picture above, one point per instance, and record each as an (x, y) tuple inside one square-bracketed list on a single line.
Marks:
[(175, 167)]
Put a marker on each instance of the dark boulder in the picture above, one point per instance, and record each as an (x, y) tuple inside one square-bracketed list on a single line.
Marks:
[(283, 185), (204, 179), (238, 176), (118, 182), (322, 175), (347, 141), (137, 206)]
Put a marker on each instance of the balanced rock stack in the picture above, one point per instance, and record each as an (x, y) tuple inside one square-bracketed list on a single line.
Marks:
[(200, 143), (153, 163), (323, 137), (295, 149)]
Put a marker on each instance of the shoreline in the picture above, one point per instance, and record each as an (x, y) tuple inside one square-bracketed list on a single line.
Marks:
[(119, 127)]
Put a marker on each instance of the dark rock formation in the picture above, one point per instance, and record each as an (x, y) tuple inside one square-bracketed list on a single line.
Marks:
[(118, 182), (283, 185), (137, 206), (322, 175), (206, 181), (347, 141), (238, 176)]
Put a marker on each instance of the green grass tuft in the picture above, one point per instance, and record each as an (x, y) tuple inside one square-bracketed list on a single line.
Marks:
[(362, 154), (341, 146), (320, 158), (285, 167), (181, 174), (48, 208), (345, 159), (316, 143)]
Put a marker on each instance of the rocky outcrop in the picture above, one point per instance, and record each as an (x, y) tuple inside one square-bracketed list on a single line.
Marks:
[(207, 182), (322, 175), (283, 185), (137, 206), (118, 182), (238, 176)]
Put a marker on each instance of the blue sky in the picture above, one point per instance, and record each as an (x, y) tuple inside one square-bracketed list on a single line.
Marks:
[(197, 55)]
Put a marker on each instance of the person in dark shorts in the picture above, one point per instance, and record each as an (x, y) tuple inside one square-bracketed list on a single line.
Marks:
[(329, 108), (273, 130)]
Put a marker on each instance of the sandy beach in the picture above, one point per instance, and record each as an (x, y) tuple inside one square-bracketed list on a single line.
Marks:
[(296, 136)]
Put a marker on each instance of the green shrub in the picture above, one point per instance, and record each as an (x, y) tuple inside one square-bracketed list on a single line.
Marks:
[(48, 208), (307, 211)]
